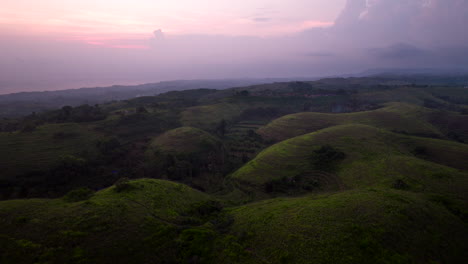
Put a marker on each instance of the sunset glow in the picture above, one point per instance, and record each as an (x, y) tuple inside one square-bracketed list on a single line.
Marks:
[(58, 44), (103, 22)]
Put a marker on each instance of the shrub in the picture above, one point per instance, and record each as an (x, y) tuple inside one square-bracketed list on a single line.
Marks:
[(78, 195), (420, 151), (400, 184), (326, 157), (28, 127), (122, 184)]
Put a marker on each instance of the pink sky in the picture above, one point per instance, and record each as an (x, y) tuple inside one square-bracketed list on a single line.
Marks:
[(114, 23), (60, 44)]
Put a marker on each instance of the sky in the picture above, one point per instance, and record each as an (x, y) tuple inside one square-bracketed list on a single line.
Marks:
[(62, 44), (127, 18)]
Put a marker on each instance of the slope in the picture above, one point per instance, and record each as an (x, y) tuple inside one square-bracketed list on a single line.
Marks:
[(370, 157), (132, 222), (401, 117), (367, 226)]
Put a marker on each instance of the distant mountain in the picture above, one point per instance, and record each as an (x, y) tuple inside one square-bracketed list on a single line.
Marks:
[(413, 71), (24, 103)]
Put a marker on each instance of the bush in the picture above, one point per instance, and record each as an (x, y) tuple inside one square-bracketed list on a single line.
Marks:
[(122, 184), (399, 184), (326, 157), (28, 127), (78, 195), (420, 151)]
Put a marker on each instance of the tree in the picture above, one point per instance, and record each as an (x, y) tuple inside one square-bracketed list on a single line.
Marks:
[(141, 110), (326, 157), (222, 127), (244, 93)]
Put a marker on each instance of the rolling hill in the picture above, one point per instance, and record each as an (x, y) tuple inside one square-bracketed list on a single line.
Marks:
[(356, 170), (372, 157), (398, 117)]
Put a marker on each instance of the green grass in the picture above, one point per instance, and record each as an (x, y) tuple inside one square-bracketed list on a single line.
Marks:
[(209, 116), (374, 157), (154, 221), (390, 198), (185, 140), (135, 225), (399, 117), (411, 95), (367, 226), (25, 152), (231, 108)]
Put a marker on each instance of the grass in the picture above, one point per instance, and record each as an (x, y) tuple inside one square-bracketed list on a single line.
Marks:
[(399, 117), (111, 226), (366, 226), (185, 140), (411, 95), (230, 109), (385, 198), (26, 152), (374, 157), (154, 221), (209, 116)]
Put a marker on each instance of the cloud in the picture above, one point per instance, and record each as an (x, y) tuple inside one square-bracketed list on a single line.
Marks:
[(424, 22), (319, 54), (261, 19), (158, 34), (399, 51), (367, 34)]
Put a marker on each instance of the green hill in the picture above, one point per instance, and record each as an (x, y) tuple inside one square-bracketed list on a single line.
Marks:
[(153, 221), (368, 226), (135, 222), (357, 170), (371, 157), (410, 119), (189, 155), (209, 116), (186, 140), (27, 152)]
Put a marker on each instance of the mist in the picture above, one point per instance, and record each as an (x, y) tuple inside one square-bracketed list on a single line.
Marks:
[(365, 35)]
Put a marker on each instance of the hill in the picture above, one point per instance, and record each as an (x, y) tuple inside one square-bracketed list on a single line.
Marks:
[(398, 117), (44, 147), (155, 221), (132, 222), (189, 155), (186, 140), (356, 170), (358, 156), (367, 226), (24, 103)]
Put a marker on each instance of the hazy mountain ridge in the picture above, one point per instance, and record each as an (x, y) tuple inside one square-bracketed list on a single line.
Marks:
[(24, 103)]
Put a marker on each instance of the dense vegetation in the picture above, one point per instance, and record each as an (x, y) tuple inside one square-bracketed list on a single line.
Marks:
[(358, 170)]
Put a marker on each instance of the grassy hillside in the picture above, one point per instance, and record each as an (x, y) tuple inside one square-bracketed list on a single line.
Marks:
[(209, 116), (27, 152), (364, 170), (189, 155), (134, 222), (185, 140), (265, 105), (412, 95), (401, 117), (368, 226), (153, 221), (371, 157)]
